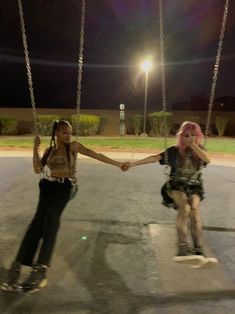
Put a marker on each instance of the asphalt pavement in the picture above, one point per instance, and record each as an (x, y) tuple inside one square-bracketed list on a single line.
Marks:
[(116, 242)]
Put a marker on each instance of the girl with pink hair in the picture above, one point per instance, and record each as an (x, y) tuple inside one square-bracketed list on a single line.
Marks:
[(184, 189)]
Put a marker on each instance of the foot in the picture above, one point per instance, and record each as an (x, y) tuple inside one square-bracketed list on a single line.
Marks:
[(12, 280), (199, 251), (185, 255), (206, 263), (36, 280)]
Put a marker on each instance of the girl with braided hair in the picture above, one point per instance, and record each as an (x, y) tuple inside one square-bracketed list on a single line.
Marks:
[(55, 192)]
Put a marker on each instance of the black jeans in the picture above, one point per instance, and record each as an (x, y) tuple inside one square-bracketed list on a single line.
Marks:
[(52, 200)]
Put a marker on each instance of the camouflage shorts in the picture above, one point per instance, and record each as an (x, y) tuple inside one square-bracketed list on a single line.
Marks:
[(189, 190)]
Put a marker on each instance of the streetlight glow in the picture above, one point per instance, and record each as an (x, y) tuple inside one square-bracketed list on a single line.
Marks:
[(146, 65)]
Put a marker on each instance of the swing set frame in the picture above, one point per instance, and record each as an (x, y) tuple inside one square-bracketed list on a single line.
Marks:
[(162, 66)]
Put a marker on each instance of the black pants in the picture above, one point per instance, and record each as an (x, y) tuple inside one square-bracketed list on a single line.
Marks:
[(52, 200)]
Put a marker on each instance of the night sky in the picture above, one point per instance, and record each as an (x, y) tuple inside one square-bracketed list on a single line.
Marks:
[(118, 34)]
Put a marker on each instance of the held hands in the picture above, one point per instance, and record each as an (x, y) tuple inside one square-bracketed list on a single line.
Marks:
[(125, 166)]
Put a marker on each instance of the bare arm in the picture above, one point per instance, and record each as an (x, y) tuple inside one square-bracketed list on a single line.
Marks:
[(203, 155), (147, 160), (88, 152)]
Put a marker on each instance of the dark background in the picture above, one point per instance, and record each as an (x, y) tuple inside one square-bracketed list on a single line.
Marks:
[(118, 34)]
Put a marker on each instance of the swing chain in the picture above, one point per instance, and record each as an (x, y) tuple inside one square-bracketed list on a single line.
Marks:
[(214, 79), (28, 67), (216, 69), (80, 64), (29, 73), (163, 84), (79, 79), (162, 55), (30, 79)]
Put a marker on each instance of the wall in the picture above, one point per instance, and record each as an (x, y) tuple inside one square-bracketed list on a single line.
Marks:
[(24, 116)]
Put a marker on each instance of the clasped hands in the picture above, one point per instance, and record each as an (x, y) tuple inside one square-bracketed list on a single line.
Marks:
[(124, 166)]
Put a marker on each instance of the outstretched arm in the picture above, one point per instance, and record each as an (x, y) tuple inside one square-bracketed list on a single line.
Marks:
[(89, 152), (147, 160)]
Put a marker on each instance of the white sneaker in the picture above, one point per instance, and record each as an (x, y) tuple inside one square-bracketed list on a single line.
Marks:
[(207, 262), (189, 259)]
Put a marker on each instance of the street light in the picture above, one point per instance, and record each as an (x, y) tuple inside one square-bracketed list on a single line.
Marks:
[(146, 67), (122, 120)]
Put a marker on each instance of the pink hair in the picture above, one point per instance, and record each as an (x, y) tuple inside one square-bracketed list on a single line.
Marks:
[(187, 127)]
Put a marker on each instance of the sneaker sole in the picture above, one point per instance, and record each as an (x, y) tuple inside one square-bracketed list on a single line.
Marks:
[(10, 288), (42, 284), (207, 263), (189, 259)]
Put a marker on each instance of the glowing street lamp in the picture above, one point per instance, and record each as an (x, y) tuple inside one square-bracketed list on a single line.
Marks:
[(146, 66)]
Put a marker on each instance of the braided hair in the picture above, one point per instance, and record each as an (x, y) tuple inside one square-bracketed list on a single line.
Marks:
[(56, 126)]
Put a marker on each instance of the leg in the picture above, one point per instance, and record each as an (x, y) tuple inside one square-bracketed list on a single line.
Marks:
[(38, 277), (33, 235), (181, 200), (184, 255), (30, 242), (196, 231), (52, 221), (196, 223)]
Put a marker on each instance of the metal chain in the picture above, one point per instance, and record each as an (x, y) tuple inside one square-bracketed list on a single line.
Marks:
[(162, 55), (80, 63), (79, 78), (216, 70), (163, 83), (28, 67)]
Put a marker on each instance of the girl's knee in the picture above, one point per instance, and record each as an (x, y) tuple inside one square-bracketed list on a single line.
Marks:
[(195, 211), (184, 210), (195, 216)]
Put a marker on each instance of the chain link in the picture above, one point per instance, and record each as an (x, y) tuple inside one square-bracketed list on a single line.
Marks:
[(163, 83), (216, 70), (79, 78), (28, 67), (80, 64), (162, 55)]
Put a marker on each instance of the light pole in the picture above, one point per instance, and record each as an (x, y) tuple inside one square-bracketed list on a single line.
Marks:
[(122, 120), (146, 67)]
